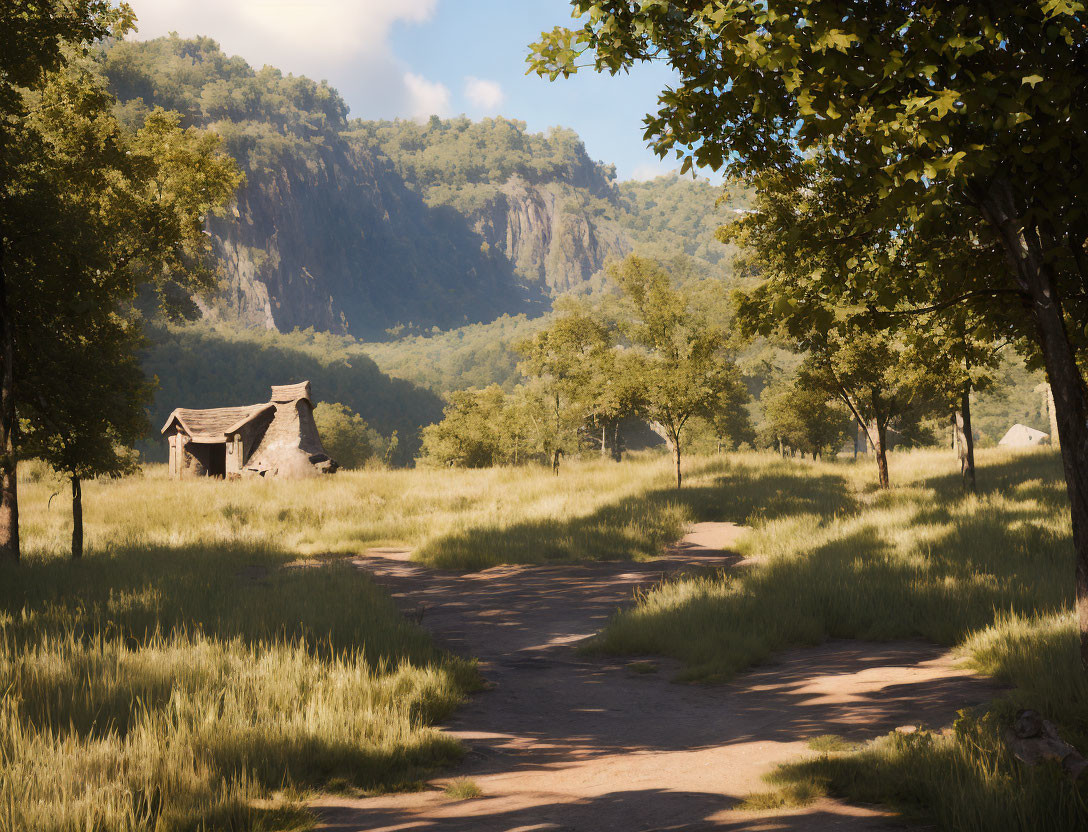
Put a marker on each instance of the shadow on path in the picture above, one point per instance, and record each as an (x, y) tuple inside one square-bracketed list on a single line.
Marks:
[(566, 741)]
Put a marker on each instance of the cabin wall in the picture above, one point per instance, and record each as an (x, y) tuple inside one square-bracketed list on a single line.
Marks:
[(285, 448), (309, 438)]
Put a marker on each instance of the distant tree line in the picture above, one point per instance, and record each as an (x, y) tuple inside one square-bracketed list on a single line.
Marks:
[(645, 351)]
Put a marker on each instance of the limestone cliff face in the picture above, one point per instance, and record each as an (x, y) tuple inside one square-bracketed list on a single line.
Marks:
[(551, 243), (339, 243)]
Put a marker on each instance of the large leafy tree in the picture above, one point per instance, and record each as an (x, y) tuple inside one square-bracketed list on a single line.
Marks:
[(92, 214), (40, 36), (955, 110)]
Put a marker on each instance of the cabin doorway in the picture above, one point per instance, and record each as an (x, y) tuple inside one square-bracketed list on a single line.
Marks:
[(217, 460), (211, 456)]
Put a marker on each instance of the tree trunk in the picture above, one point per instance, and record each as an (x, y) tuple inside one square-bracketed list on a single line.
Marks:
[(676, 453), (880, 451), (1055, 440), (604, 439), (77, 518), (967, 454), (617, 449), (555, 461), (1035, 279), (9, 491)]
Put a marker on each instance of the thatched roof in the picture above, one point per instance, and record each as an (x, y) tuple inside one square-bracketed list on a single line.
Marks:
[(214, 424), (291, 392), (217, 423)]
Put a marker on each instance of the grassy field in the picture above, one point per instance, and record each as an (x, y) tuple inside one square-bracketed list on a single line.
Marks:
[(212, 659), (454, 519), (833, 557)]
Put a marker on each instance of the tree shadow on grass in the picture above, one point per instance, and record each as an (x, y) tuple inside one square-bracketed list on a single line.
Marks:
[(640, 527), (93, 646), (1037, 472)]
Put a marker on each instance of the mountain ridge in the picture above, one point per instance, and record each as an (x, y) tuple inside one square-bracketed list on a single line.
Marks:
[(359, 227)]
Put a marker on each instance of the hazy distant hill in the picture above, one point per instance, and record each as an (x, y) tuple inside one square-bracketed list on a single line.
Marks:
[(357, 227), (324, 234)]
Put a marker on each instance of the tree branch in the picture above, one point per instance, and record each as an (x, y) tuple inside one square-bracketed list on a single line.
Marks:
[(977, 294)]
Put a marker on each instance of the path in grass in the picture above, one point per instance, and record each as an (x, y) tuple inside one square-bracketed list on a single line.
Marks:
[(573, 742)]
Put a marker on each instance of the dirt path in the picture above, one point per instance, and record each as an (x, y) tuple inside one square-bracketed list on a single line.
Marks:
[(568, 742)]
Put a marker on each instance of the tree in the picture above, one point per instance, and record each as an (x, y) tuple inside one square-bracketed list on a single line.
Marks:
[(345, 434), (957, 112), (805, 418), (100, 214), (815, 295), (803, 231), (958, 343), (686, 372), (469, 434), (39, 37), (87, 413), (881, 382), (568, 360)]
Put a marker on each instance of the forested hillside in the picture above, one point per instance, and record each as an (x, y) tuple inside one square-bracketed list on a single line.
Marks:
[(323, 233), (357, 227)]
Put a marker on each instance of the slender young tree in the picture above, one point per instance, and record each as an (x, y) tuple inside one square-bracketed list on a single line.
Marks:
[(567, 361), (687, 372)]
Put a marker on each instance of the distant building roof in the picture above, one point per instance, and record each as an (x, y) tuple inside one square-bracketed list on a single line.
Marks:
[(217, 423), (1021, 435)]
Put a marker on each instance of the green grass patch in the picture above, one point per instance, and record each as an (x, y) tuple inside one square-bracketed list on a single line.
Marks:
[(991, 574), (202, 685), (462, 789), (791, 795), (831, 744), (966, 780)]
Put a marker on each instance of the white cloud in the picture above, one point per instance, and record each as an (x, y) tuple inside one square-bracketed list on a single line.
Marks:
[(345, 41), (652, 170), (427, 98), (334, 29), (483, 95)]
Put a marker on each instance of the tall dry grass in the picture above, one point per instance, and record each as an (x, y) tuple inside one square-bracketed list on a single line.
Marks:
[(186, 675), (832, 556)]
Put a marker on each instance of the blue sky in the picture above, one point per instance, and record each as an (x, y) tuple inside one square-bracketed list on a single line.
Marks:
[(409, 58)]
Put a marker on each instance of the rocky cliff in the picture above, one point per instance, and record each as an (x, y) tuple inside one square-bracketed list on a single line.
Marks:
[(342, 245), (360, 227), (551, 245)]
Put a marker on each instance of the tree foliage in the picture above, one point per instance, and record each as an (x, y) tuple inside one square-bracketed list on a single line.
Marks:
[(805, 418), (348, 439), (91, 214), (959, 114)]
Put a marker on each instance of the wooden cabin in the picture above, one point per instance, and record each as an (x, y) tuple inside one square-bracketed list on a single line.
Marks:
[(277, 438)]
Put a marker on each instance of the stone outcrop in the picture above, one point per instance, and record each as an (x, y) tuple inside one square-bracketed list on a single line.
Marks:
[(341, 244), (550, 244)]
